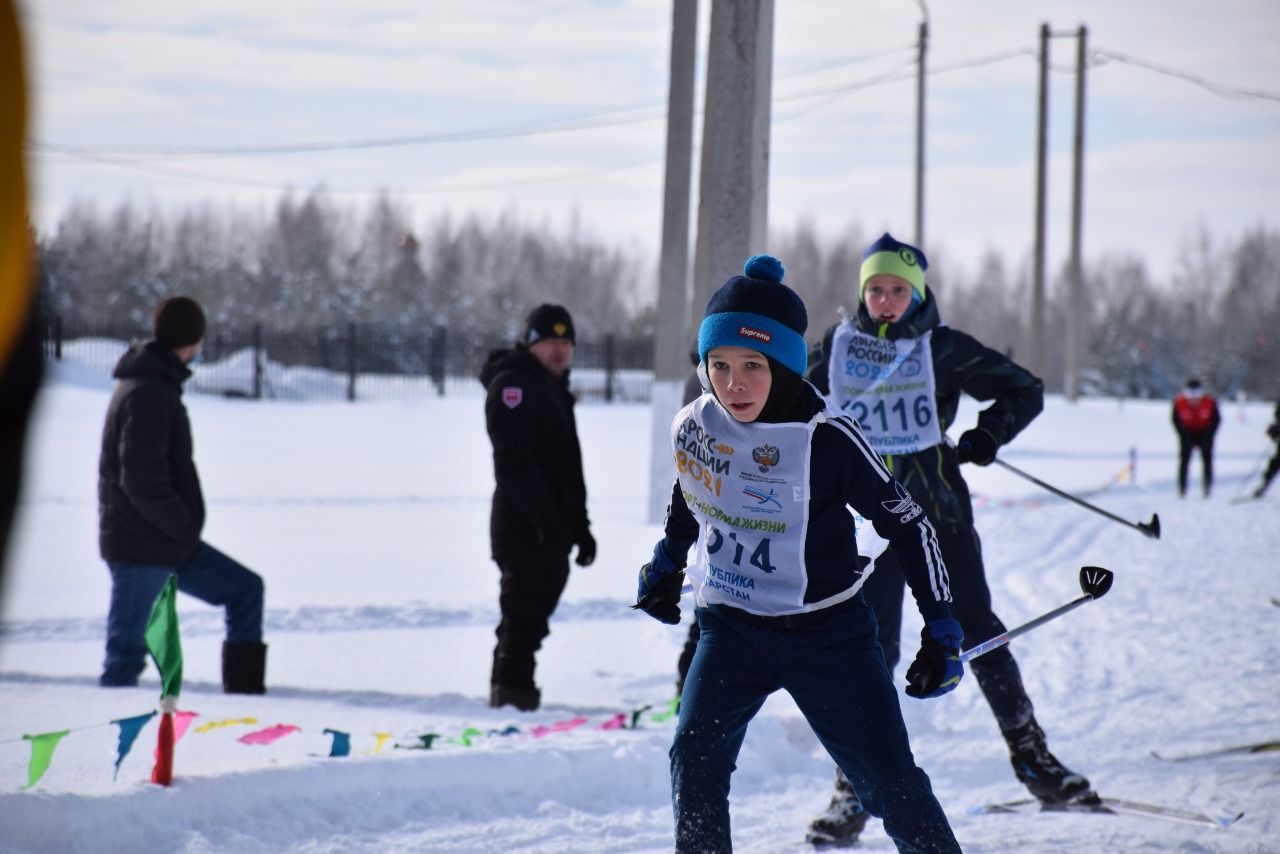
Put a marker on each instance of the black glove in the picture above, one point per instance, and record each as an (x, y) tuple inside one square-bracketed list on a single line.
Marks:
[(658, 593), (976, 446), (586, 549), (662, 602), (937, 668)]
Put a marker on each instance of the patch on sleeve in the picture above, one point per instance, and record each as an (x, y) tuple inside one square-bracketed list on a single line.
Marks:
[(512, 396)]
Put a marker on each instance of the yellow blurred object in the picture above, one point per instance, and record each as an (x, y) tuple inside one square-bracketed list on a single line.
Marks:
[(16, 280)]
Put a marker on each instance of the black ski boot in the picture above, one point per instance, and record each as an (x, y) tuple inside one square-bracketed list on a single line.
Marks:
[(1040, 771), (511, 682), (244, 668), (524, 699), (843, 820)]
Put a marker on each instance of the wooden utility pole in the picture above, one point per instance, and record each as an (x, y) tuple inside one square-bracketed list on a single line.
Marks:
[(1035, 356), (1070, 385), (672, 338), (924, 41), (734, 173)]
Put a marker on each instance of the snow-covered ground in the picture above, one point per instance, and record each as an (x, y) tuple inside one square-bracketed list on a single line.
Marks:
[(369, 524)]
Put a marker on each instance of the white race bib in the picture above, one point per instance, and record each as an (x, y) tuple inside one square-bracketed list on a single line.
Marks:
[(888, 386), (748, 487)]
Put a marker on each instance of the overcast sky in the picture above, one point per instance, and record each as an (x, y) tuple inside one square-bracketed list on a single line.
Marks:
[(555, 109)]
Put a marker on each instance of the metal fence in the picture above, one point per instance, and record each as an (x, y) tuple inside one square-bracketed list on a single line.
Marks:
[(353, 361)]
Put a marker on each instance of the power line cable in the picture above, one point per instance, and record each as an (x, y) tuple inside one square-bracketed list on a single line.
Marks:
[(905, 71), (1103, 55), (137, 159), (574, 122), (140, 161), (229, 180)]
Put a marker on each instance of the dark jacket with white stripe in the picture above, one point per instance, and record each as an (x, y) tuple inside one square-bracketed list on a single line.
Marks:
[(845, 471)]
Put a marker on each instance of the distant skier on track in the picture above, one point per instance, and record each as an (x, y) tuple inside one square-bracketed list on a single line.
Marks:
[(1273, 431)]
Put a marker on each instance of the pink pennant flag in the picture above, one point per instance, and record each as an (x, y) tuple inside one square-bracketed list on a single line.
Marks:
[(182, 720), (268, 735), (618, 721), (558, 726)]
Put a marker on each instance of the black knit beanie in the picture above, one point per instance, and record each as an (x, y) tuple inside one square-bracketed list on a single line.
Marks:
[(548, 321), (178, 322)]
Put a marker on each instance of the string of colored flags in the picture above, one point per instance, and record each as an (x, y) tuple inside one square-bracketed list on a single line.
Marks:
[(165, 647), (44, 744)]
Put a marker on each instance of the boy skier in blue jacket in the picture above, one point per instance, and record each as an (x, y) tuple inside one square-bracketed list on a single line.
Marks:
[(765, 470)]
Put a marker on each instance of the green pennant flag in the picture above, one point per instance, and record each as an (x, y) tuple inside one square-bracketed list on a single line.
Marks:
[(162, 639), (42, 747)]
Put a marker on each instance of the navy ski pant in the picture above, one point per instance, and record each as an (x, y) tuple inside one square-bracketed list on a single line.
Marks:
[(996, 672), (832, 666)]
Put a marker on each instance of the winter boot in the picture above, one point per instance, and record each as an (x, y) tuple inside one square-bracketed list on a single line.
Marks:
[(524, 699), (843, 820), (511, 682), (244, 668), (1040, 771)]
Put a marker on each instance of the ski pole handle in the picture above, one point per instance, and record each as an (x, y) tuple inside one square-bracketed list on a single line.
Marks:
[(1094, 581)]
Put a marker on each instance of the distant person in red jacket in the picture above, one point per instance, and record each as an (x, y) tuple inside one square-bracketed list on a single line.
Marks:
[(1196, 418)]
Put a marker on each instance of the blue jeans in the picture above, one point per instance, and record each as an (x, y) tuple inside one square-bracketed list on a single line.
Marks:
[(833, 668), (210, 576)]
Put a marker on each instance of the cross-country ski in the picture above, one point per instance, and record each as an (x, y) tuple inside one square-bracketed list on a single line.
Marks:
[(1234, 750), (1114, 806)]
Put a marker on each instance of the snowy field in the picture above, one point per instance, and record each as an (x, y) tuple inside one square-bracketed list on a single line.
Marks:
[(369, 523)]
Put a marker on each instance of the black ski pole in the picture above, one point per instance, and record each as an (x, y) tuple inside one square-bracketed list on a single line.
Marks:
[(1242, 493), (1094, 581), (1151, 529)]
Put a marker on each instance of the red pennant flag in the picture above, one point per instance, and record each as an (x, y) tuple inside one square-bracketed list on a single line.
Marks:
[(162, 774)]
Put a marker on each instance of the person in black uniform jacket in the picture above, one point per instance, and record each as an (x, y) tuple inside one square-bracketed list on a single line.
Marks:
[(540, 499), (151, 510), (897, 369)]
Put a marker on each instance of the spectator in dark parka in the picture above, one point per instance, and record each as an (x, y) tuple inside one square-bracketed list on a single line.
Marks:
[(1196, 418), (539, 508), (151, 510)]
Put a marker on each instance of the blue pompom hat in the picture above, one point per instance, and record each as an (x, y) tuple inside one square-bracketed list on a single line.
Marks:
[(756, 310)]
